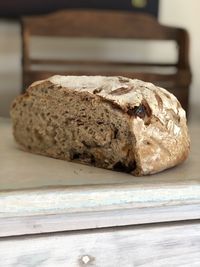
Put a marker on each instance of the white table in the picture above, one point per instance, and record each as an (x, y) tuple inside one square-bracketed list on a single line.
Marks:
[(56, 213)]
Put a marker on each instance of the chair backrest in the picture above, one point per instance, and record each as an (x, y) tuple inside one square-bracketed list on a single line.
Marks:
[(108, 24)]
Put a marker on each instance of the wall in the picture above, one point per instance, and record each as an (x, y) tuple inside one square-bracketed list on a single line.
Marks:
[(176, 13), (185, 14)]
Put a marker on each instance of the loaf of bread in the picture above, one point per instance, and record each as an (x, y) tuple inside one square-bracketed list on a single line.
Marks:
[(110, 122)]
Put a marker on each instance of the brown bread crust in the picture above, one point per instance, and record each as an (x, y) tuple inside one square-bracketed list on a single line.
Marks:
[(144, 129)]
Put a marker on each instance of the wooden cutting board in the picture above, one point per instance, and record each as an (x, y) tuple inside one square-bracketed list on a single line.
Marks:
[(41, 194)]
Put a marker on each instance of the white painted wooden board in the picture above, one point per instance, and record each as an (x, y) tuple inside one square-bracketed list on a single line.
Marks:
[(168, 245), (40, 194), (38, 224)]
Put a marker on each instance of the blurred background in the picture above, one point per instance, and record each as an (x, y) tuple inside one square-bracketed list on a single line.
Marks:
[(177, 14)]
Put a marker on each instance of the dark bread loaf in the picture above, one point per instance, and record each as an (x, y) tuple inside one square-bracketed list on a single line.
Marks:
[(110, 122)]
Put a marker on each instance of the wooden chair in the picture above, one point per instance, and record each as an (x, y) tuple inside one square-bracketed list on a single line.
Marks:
[(108, 24)]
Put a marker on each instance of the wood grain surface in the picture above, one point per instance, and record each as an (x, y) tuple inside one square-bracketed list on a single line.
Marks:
[(146, 246)]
